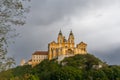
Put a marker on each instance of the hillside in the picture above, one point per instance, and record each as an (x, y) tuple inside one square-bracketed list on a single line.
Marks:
[(78, 67)]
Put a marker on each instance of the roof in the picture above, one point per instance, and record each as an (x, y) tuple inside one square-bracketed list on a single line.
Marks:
[(29, 60), (82, 43), (53, 42), (40, 53), (71, 32), (60, 32)]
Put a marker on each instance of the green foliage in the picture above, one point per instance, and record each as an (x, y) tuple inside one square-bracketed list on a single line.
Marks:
[(45, 68), (15, 73), (113, 72), (72, 68), (21, 70), (82, 61), (33, 77), (66, 73), (5, 75)]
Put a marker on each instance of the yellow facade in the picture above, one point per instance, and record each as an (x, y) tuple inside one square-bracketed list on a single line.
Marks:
[(22, 62), (65, 47), (38, 56)]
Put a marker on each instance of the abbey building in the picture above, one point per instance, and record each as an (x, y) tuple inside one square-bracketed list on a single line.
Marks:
[(63, 47)]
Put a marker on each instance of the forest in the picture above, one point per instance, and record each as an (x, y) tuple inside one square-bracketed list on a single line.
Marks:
[(78, 67)]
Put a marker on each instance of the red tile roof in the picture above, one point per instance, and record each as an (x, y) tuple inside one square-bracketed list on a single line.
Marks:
[(40, 53), (29, 60)]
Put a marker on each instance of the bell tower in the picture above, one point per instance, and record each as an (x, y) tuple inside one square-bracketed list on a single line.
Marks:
[(60, 38), (71, 39)]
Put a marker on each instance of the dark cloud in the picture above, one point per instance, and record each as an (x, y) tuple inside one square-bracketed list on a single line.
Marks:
[(110, 56), (49, 11), (95, 22)]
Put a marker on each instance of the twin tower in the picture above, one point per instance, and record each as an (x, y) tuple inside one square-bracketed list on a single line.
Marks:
[(65, 47)]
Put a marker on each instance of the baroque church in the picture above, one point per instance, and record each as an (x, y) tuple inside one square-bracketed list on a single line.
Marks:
[(63, 47)]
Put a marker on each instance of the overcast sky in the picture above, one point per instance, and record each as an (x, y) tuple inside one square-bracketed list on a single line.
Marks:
[(96, 22)]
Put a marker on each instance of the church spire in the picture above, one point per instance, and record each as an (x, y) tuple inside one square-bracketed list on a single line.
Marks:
[(71, 33), (71, 37), (60, 37), (60, 32)]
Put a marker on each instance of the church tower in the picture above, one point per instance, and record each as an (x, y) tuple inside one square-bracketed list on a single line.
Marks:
[(71, 39), (60, 38), (22, 62)]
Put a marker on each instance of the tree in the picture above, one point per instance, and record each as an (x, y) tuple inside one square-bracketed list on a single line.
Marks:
[(44, 69), (67, 73), (12, 12), (113, 72)]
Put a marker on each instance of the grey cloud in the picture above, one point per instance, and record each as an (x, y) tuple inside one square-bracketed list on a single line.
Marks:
[(89, 19), (110, 56), (49, 11)]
